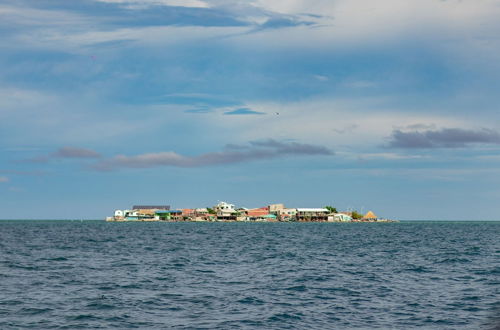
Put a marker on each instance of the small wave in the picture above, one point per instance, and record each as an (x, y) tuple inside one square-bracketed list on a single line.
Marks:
[(57, 259), (100, 306), (251, 301), (34, 311), (205, 271), (83, 317), (453, 260), (280, 317), (349, 292), (297, 288), (418, 269)]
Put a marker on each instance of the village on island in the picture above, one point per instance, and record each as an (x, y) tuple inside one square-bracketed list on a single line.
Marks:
[(229, 213)]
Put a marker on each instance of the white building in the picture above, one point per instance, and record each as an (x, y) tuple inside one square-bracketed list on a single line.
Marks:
[(340, 217), (287, 214), (224, 209)]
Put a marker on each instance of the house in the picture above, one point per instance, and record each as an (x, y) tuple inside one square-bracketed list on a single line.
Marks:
[(201, 211), (287, 214), (146, 213), (339, 217), (188, 212), (169, 215), (257, 212), (312, 214), (225, 211), (119, 215), (275, 208)]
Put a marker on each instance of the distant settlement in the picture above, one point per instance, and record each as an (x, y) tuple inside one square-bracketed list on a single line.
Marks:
[(226, 212)]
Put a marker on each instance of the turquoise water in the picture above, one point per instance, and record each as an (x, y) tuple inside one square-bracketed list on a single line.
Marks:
[(93, 274)]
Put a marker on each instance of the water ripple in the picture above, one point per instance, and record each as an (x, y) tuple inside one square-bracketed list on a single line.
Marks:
[(74, 275)]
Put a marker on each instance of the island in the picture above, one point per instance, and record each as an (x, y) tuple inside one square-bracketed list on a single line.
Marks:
[(227, 212)]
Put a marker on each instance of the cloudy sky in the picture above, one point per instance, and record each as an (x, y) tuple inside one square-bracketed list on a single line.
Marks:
[(389, 105)]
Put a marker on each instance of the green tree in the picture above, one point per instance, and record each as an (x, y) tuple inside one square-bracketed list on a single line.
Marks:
[(211, 211), (331, 209), (356, 215)]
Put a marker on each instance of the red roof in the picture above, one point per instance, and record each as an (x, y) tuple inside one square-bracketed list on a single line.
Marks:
[(187, 211), (257, 212)]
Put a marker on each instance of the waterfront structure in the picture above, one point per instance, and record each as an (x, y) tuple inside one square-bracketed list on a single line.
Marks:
[(312, 214), (259, 214), (270, 217), (340, 217), (169, 215), (261, 211), (225, 211), (275, 208), (287, 214), (370, 216), (188, 213)]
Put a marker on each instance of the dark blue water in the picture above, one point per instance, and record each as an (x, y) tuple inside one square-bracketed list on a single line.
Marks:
[(69, 275)]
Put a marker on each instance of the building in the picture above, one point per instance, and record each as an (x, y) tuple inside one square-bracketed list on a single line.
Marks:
[(225, 211), (146, 213), (119, 214), (169, 215), (275, 208), (151, 207), (201, 211), (270, 217), (188, 212), (287, 214), (312, 214), (262, 211), (370, 216), (339, 217)]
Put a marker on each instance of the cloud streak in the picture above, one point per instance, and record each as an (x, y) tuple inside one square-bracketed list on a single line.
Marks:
[(73, 152), (442, 138), (65, 153), (243, 111), (254, 151)]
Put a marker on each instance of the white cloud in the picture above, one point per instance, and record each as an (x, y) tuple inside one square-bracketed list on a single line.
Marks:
[(462, 30), (320, 77), (79, 41), (320, 7), (11, 96), (25, 16), (147, 3), (4, 179)]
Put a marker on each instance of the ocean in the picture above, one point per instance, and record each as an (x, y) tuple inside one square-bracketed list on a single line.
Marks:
[(93, 274)]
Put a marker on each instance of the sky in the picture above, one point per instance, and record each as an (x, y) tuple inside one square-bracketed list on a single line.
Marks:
[(389, 105)]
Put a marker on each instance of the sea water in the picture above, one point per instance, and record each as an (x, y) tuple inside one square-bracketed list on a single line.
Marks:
[(93, 274)]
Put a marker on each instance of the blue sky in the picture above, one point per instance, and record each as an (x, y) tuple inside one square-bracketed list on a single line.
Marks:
[(390, 106)]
